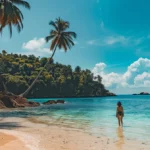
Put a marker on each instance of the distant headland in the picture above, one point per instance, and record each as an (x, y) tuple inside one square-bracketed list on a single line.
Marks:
[(142, 93)]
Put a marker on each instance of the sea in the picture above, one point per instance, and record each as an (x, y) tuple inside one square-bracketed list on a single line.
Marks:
[(94, 115)]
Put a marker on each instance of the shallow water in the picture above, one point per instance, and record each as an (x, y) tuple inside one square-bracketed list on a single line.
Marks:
[(95, 115)]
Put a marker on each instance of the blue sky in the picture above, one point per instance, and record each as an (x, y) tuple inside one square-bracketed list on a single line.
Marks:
[(113, 38)]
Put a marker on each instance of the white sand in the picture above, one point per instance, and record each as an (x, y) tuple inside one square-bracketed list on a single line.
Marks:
[(38, 135)]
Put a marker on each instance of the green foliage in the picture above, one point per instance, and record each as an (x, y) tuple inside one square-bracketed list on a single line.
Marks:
[(11, 15), (59, 35), (57, 80)]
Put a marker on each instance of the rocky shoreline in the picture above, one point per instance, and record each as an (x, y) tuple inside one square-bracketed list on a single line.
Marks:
[(9, 100), (14, 101)]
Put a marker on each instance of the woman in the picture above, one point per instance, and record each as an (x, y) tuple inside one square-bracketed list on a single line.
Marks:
[(120, 113)]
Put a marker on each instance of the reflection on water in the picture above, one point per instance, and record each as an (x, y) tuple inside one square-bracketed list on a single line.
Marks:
[(120, 135), (94, 115)]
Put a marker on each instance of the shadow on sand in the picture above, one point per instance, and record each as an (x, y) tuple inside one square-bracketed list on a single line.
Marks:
[(9, 125)]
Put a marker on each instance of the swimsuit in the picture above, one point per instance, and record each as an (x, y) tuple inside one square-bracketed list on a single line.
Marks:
[(120, 113)]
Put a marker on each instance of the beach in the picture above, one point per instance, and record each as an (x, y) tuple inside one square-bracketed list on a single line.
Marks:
[(33, 134), (11, 141), (79, 124)]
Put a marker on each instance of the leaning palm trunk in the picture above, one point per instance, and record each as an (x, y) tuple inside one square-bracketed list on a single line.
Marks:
[(30, 87), (3, 84), (5, 88), (60, 38)]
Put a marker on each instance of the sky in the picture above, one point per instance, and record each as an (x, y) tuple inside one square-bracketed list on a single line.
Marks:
[(113, 39)]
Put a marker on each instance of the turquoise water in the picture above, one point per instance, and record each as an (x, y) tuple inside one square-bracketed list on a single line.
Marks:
[(95, 115)]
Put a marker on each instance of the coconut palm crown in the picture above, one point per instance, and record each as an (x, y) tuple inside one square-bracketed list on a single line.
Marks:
[(10, 14), (60, 37)]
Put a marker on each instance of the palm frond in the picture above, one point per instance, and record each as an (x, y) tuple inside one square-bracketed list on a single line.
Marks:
[(60, 37), (22, 3), (69, 45), (53, 24), (62, 25), (70, 33), (70, 41), (54, 43), (12, 15), (48, 38), (10, 29), (62, 44), (53, 32)]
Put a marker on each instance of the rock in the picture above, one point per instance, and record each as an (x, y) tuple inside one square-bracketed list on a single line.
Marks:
[(14, 101), (21, 100), (9, 102), (31, 104), (2, 105), (50, 102), (60, 101), (144, 93), (110, 94)]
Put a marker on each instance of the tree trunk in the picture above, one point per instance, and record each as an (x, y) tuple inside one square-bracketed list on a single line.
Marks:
[(30, 87), (5, 88)]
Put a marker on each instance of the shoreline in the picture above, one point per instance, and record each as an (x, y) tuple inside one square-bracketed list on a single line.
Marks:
[(36, 135)]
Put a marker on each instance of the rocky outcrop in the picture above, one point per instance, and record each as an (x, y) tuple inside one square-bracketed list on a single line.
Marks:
[(143, 93), (110, 94), (2, 105), (13, 101), (31, 104), (50, 102), (9, 102), (60, 101)]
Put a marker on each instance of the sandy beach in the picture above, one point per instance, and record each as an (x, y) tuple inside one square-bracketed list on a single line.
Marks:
[(33, 134), (10, 141)]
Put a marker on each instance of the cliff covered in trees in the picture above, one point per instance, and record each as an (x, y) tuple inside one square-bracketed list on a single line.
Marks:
[(17, 72)]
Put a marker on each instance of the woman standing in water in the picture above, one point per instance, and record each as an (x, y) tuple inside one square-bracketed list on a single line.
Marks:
[(120, 113)]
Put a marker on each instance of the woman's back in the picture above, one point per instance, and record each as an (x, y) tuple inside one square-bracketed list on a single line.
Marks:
[(120, 113), (120, 108)]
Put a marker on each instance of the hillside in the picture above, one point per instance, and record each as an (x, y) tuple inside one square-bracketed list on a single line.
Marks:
[(57, 80)]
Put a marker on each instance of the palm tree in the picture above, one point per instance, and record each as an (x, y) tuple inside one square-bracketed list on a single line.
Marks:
[(10, 14), (60, 38)]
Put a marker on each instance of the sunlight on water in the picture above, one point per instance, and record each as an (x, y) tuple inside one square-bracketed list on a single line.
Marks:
[(95, 115)]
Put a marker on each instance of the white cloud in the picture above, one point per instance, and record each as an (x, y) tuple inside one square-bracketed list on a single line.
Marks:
[(115, 39), (110, 80), (34, 44), (99, 68), (137, 75), (36, 47)]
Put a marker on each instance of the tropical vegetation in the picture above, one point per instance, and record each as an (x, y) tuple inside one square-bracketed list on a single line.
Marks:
[(17, 72), (60, 38)]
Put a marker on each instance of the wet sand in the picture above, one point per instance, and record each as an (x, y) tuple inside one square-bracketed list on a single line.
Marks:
[(34, 134)]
